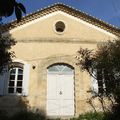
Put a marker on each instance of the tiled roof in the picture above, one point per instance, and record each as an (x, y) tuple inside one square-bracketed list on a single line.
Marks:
[(67, 9)]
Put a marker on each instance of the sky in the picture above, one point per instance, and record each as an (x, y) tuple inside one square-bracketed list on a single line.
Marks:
[(106, 10)]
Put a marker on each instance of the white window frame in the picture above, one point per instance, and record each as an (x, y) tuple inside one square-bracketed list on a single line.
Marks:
[(4, 79), (15, 81), (26, 76)]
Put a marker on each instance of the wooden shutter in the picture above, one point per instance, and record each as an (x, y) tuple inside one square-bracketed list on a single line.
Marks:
[(3, 81), (26, 79), (94, 83)]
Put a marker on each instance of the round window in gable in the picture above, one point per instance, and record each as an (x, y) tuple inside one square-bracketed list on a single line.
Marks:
[(60, 27)]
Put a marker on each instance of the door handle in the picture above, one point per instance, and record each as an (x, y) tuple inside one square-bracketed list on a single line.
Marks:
[(60, 92)]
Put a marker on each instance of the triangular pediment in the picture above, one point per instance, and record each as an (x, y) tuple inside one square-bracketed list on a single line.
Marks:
[(41, 25)]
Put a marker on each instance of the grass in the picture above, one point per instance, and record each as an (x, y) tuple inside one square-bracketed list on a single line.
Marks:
[(29, 115), (90, 116)]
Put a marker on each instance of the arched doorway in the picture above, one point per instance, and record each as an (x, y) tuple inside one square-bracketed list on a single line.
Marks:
[(60, 90)]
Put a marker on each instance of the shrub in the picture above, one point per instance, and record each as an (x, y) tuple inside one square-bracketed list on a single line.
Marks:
[(27, 115), (90, 116), (3, 115)]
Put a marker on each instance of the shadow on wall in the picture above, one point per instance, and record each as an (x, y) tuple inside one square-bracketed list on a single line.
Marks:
[(12, 104), (17, 108)]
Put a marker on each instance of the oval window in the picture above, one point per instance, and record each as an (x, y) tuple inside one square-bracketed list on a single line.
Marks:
[(60, 26)]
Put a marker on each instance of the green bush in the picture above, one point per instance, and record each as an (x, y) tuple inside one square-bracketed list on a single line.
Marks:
[(3, 115), (27, 115), (90, 116)]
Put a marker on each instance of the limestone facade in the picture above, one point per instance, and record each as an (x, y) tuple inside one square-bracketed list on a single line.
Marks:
[(40, 46)]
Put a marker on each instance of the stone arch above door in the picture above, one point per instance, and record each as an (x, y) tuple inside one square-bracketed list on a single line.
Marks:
[(69, 60), (60, 68)]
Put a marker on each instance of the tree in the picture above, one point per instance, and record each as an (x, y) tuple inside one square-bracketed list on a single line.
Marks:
[(104, 65), (7, 7), (5, 55)]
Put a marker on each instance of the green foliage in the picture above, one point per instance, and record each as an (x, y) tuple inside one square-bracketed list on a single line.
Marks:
[(90, 116), (5, 54), (27, 115), (115, 112), (3, 115), (106, 62), (54, 119), (22, 115), (30, 115), (7, 7)]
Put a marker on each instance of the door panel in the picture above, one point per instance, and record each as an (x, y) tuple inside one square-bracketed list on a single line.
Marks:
[(60, 95), (51, 86), (53, 107), (67, 86), (67, 107)]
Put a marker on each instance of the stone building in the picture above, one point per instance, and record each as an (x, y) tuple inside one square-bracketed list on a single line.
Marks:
[(44, 71)]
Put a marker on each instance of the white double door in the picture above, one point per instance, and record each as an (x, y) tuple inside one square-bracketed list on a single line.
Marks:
[(60, 95)]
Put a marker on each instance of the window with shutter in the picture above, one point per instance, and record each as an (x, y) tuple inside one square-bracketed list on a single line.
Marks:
[(105, 81), (94, 83), (98, 84)]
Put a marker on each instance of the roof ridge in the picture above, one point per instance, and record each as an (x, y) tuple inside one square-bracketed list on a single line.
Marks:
[(65, 8)]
